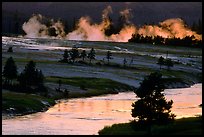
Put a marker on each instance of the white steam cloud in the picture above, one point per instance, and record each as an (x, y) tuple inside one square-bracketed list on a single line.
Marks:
[(39, 26)]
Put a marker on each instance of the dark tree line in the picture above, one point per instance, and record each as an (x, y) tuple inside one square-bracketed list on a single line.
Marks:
[(70, 56), (30, 79), (158, 40)]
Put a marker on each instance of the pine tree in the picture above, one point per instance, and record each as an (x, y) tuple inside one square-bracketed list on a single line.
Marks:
[(152, 107), (160, 61), (92, 54), (31, 76), (83, 54), (169, 63), (10, 49), (10, 71), (108, 56), (74, 53), (65, 56)]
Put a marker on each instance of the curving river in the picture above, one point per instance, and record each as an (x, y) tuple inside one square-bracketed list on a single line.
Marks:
[(86, 116)]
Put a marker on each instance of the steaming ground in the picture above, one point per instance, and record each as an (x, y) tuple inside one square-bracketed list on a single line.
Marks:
[(47, 52)]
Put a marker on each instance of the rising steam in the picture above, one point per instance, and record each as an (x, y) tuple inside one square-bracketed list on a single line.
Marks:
[(39, 26), (169, 28)]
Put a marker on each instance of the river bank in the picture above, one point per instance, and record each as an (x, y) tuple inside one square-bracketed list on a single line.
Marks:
[(69, 116), (19, 104)]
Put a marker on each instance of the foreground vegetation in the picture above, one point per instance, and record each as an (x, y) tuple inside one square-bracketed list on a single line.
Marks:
[(21, 103), (183, 126)]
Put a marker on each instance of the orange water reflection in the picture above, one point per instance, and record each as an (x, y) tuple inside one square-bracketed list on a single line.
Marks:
[(88, 115)]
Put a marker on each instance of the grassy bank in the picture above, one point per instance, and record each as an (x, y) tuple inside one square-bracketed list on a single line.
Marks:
[(14, 103), (92, 86), (21, 103), (183, 126)]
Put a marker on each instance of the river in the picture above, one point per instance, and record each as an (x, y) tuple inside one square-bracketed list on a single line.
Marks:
[(86, 116)]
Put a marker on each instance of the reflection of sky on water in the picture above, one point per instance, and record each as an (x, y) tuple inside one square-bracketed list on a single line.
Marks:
[(88, 115)]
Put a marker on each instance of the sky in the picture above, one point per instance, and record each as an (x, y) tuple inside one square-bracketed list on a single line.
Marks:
[(142, 12)]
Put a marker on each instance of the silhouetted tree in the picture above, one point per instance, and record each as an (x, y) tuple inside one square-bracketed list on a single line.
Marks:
[(160, 61), (91, 55), (108, 56), (83, 54), (65, 56), (169, 63), (74, 53), (31, 76), (152, 107), (10, 49), (10, 71)]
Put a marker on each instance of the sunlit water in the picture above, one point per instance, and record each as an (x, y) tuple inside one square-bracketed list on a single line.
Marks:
[(89, 115)]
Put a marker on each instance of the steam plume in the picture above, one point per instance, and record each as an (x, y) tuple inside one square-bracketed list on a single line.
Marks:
[(169, 28), (39, 26)]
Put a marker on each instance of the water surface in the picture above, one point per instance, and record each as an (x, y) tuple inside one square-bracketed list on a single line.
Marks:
[(88, 115)]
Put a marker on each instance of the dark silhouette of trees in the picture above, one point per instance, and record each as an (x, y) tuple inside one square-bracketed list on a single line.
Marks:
[(31, 76), (152, 107), (109, 56), (169, 63), (188, 41), (160, 61), (65, 56), (91, 55), (83, 54), (10, 71), (74, 54), (10, 49)]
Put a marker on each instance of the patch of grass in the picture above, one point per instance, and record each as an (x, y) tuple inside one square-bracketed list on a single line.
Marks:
[(121, 129), (101, 84), (183, 126), (24, 103)]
